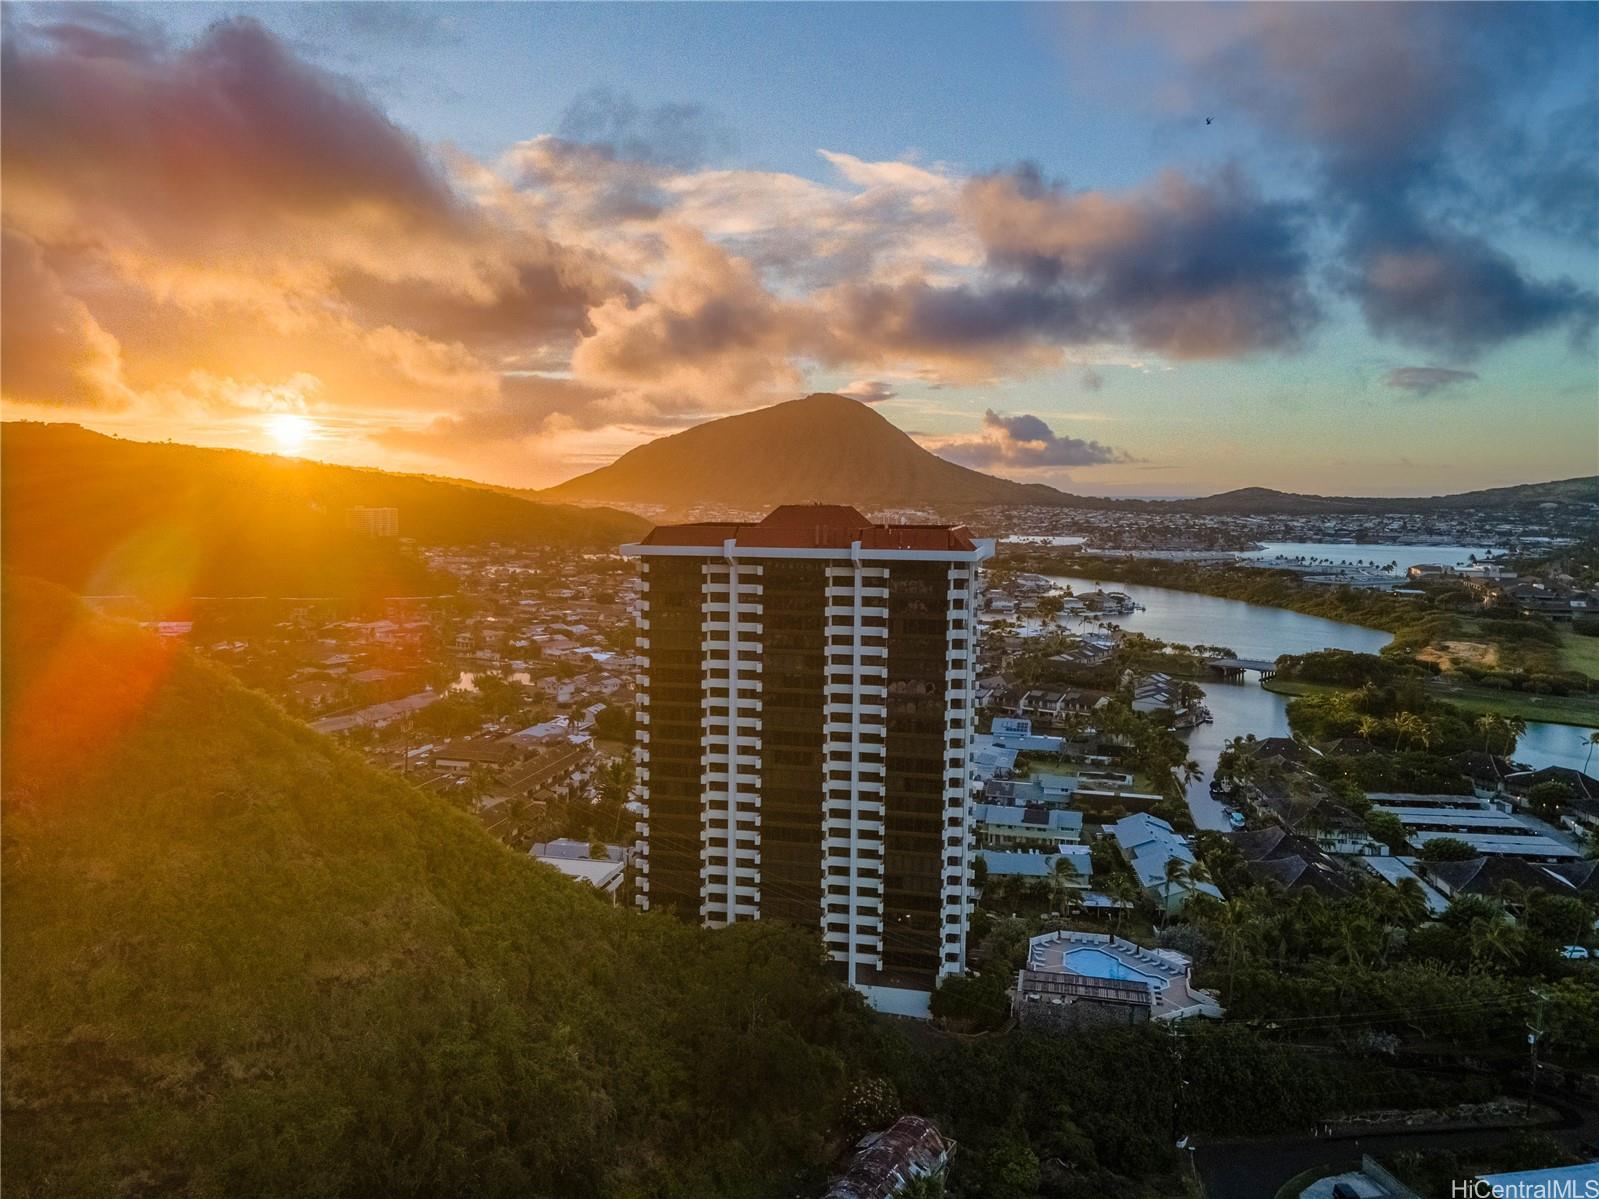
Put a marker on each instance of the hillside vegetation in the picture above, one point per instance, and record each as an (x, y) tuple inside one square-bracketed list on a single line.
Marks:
[(238, 961), (104, 516)]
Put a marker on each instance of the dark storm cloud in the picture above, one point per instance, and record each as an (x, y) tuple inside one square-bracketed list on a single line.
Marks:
[(1022, 442), (1187, 268), (1411, 112), (1459, 295), (234, 124), (1425, 380)]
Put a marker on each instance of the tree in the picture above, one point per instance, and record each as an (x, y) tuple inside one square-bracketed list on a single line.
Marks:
[(1010, 1168), (1559, 919), (1387, 828), (1409, 904), (1178, 878), (1548, 800), (1590, 741), (1447, 849), (1123, 888), (1234, 928), (1061, 881), (1407, 725), (1492, 938)]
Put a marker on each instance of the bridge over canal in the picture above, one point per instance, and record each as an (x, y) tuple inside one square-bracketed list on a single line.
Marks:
[(1235, 668)]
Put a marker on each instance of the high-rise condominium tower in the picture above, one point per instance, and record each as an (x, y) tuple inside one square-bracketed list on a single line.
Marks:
[(804, 709)]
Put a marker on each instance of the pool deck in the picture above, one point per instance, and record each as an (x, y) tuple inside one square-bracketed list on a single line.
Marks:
[(1176, 999)]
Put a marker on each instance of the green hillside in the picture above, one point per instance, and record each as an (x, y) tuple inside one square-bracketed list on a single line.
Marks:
[(104, 516), (238, 961)]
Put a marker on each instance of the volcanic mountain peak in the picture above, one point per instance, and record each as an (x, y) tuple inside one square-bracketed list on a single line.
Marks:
[(823, 448)]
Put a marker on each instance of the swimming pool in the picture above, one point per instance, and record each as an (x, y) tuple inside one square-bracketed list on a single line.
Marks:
[(1096, 963)]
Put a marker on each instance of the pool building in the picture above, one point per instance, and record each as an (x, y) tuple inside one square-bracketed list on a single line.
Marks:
[(1074, 978)]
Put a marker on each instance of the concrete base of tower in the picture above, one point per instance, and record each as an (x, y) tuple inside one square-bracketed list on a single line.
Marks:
[(899, 1001)]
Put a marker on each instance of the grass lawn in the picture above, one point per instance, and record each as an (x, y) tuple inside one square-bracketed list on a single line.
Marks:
[(1293, 687), (1579, 653), (1580, 710)]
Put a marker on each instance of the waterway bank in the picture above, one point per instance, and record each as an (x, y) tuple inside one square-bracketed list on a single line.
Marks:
[(1265, 632), (1580, 711)]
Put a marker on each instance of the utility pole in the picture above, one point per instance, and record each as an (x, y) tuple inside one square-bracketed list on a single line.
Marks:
[(1535, 1031)]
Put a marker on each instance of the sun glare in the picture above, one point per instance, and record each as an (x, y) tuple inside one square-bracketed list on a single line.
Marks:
[(290, 431)]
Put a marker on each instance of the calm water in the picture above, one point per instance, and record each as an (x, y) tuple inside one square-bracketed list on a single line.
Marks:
[(1253, 631), (1379, 556)]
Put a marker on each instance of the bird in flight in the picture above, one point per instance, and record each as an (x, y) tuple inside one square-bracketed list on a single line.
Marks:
[(1208, 120)]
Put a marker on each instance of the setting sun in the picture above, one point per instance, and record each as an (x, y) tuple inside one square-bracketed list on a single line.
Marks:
[(290, 431)]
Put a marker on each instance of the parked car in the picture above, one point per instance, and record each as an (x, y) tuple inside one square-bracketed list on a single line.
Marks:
[(1575, 953)]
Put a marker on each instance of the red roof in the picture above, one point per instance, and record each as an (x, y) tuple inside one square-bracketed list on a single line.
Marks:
[(815, 526)]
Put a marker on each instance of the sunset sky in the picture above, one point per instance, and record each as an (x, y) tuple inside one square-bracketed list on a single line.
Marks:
[(509, 242)]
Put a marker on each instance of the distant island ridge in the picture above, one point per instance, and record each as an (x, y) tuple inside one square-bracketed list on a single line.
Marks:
[(821, 448), (827, 448)]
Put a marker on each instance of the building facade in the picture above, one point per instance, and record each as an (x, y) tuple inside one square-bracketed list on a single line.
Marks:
[(805, 707), (374, 522)]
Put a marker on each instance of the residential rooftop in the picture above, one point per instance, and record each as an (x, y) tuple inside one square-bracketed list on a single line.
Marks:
[(814, 526)]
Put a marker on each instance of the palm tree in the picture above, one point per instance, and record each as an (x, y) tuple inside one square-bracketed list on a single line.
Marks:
[(1409, 906), (1061, 881), (1591, 740), (1176, 876), (1406, 726), (1123, 888), (1233, 927), (1368, 727), (1492, 936)]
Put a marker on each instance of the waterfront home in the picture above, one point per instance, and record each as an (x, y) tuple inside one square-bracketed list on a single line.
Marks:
[(1049, 705), (1430, 570), (1289, 861), (1583, 786), (1147, 844), (1087, 649)]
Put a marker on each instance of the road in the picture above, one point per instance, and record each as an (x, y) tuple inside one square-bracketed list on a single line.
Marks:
[(1256, 1169)]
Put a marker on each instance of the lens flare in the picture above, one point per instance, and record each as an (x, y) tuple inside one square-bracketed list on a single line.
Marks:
[(290, 431)]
